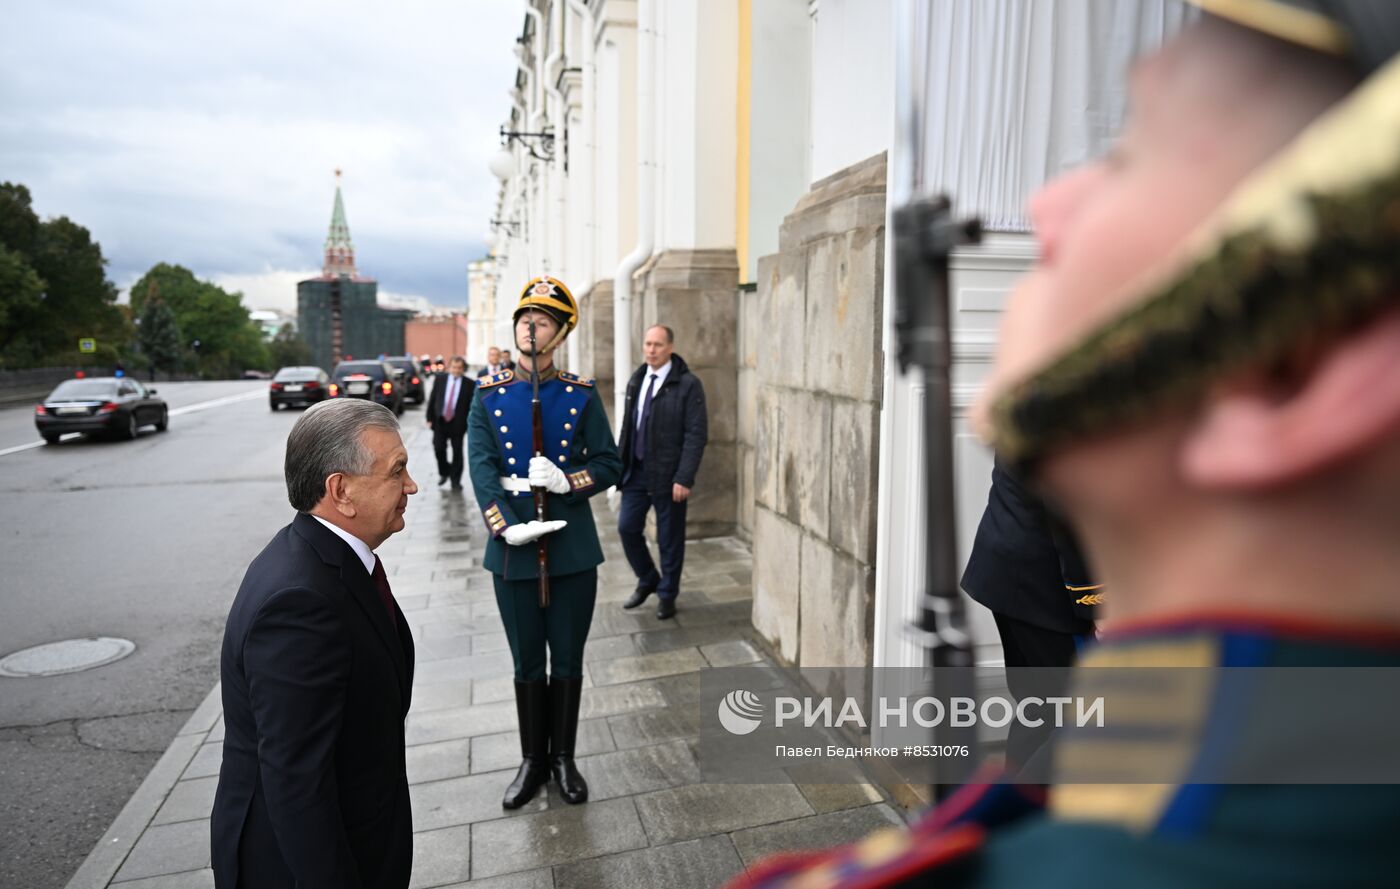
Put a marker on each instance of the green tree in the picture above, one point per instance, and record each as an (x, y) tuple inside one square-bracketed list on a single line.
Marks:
[(75, 299), (21, 305), (160, 334), (229, 342), (288, 349)]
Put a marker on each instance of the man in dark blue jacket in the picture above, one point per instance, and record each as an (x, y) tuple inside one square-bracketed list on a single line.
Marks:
[(664, 430)]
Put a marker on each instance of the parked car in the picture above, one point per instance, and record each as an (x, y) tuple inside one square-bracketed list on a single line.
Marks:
[(118, 406), (302, 386), (414, 379), (375, 380)]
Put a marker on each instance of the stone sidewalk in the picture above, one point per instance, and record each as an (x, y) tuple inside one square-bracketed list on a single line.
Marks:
[(649, 820)]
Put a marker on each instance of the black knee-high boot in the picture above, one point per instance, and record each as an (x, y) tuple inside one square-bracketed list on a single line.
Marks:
[(532, 709), (564, 696)]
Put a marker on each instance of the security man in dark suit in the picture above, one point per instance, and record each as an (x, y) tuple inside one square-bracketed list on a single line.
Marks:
[(316, 671), (447, 417), (580, 459), (1027, 569), (664, 431)]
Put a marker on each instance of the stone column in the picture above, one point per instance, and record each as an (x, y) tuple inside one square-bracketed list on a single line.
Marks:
[(695, 293)]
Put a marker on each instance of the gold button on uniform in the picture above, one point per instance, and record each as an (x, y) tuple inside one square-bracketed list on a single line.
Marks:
[(561, 458), (573, 410), (563, 444), (509, 445), (498, 412), (504, 430), (568, 388), (568, 425), (511, 461)]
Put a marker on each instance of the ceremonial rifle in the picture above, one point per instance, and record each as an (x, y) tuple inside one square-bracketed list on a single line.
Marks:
[(925, 234), (540, 493)]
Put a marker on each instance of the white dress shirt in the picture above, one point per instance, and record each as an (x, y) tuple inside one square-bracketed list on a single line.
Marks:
[(359, 546), (660, 373)]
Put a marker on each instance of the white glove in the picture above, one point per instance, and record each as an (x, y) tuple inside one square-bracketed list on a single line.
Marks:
[(544, 474), (529, 532)]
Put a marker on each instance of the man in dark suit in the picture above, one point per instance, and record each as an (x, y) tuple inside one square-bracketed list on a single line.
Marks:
[(447, 417), (1026, 567), (317, 668), (493, 364), (664, 431)]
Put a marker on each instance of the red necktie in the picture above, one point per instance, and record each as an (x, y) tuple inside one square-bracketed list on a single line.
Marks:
[(448, 400), (382, 582)]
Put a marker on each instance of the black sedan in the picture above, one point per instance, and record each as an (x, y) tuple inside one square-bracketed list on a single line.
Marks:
[(301, 386), (375, 380), (412, 377), (117, 406)]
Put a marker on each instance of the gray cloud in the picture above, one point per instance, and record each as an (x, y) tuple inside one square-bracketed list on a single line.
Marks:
[(207, 134)]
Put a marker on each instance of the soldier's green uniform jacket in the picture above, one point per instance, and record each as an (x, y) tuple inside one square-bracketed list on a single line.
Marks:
[(579, 441), (1189, 833)]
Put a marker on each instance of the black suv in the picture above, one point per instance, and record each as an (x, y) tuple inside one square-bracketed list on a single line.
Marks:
[(413, 377), (375, 380), (298, 385)]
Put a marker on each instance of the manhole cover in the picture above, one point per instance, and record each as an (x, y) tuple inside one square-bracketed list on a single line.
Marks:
[(68, 656)]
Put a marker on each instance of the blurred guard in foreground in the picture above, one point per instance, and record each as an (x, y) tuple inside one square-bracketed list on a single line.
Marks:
[(580, 459), (1203, 370)]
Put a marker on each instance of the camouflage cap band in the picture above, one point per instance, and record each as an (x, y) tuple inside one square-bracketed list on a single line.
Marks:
[(1305, 250)]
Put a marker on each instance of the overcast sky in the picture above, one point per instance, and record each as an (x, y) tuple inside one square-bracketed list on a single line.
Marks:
[(207, 134)]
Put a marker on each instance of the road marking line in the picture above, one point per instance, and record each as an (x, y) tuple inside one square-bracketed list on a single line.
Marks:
[(187, 409), (217, 402), (16, 450)]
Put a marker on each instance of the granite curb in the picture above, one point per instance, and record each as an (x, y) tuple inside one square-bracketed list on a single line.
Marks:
[(111, 852)]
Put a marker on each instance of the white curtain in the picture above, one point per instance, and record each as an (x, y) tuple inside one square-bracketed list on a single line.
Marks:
[(1015, 91)]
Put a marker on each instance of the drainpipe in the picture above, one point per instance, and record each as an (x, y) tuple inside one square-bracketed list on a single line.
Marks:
[(552, 203), (646, 208)]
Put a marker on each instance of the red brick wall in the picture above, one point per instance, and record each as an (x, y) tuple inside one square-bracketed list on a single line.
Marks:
[(436, 336)]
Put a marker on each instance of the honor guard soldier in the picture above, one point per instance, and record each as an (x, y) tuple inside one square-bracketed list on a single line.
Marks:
[(1201, 372), (539, 448)]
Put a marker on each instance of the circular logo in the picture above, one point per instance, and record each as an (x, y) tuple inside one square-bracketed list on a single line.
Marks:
[(740, 712)]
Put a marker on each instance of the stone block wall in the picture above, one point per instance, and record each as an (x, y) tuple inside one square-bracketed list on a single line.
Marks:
[(810, 371)]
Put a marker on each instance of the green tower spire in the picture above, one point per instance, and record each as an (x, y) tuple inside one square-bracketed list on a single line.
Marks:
[(340, 253)]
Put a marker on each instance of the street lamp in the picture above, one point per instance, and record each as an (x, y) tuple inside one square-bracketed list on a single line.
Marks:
[(502, 164)]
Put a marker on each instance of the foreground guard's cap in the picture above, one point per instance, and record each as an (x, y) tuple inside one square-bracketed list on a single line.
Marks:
[(1305, 249), (549, 295)]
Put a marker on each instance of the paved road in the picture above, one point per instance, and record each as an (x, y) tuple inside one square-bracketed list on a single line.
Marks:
[(145, 540)]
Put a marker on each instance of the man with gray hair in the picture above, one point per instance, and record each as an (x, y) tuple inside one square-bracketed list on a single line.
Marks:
[(317, 668)]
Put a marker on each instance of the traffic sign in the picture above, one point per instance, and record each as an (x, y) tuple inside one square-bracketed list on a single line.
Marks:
[(87, 344)]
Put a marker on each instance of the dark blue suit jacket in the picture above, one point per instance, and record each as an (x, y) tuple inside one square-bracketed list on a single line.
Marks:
[(316, 685)]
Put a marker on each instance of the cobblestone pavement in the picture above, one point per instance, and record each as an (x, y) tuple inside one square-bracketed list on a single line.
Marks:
[(649, 820)]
